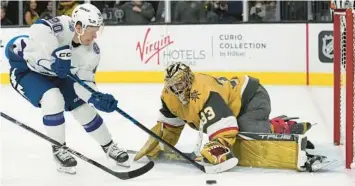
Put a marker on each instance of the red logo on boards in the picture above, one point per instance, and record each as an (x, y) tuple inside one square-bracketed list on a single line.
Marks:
[(149, 49)]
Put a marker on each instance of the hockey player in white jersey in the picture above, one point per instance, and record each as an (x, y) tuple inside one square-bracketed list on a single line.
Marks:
[(40, 63)]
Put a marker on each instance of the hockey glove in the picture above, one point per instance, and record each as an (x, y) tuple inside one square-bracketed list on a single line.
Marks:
[(215, 152), (62, 61), (103, 102), (169, 133)]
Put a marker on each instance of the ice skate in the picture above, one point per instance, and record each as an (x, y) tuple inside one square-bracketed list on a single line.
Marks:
[(65, 161), (120, 156), (317, 162)]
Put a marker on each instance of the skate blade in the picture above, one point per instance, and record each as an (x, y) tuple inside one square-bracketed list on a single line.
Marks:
[(321, 165), (67, 170), (126, 164)]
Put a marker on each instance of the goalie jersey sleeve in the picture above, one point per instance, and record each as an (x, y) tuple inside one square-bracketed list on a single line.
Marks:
[(167, 117), (217, 119)]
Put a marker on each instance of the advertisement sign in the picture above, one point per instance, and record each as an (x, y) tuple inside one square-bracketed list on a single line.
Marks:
[(264, 50), (235, 45), (204, 47), (157, 51)]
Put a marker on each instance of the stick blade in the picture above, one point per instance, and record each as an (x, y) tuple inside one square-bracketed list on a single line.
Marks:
[(134, 173)]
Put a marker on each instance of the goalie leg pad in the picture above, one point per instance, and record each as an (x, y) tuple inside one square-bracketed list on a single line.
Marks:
[(268, 153)]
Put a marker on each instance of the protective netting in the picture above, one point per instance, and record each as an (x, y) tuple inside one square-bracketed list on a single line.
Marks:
[(344, 84), (342, 80), (352, 163)]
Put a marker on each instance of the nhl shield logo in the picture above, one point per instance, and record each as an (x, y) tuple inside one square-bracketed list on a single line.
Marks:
[(325, 46), (96, 48)]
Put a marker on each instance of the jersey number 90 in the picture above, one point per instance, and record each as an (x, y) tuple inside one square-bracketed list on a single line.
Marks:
[(57, 26)]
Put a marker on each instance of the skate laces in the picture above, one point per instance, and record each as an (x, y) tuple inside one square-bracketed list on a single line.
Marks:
[(114, 151), (63, 154)]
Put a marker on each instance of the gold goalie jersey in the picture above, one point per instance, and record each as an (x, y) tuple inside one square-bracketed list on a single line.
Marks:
[(214, 104)]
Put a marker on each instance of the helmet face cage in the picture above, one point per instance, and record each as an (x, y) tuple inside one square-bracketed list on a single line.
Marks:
[(179, 79)]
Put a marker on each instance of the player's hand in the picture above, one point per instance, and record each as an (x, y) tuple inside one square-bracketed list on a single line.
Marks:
[(215, 152), (62, 62), (103, 102)]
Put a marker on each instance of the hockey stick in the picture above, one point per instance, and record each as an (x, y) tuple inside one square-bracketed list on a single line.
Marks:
[(120, 175), (207, 169)]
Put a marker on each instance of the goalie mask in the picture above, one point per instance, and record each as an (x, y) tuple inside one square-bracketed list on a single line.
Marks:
[(178, 79)]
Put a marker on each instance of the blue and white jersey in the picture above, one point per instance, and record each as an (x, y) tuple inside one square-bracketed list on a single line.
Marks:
[(47, 35)]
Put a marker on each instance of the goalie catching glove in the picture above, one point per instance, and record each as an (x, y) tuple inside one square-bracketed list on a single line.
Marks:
[(215, 152)]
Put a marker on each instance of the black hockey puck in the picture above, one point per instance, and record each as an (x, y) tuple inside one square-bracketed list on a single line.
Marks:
[(210, 182)]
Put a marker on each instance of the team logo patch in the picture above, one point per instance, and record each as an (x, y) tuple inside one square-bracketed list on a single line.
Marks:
[(71, 26), (194, 95), (96, 48)]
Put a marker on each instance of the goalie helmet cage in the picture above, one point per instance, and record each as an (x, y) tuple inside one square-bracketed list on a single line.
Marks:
[(344, 41)]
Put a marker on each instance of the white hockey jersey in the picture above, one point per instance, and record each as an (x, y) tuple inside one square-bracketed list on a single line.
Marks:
[(47, 35)]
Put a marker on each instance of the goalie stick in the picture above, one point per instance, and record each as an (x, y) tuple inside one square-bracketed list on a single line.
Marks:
[(121, 175), (226, 165)]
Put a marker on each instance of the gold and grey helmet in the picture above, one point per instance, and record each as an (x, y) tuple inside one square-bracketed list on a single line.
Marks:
[(178, 79)]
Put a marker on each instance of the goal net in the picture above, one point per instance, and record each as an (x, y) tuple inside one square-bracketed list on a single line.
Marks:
[(344, 86)]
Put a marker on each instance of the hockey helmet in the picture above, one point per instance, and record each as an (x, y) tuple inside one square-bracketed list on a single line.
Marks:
[(87, 15)]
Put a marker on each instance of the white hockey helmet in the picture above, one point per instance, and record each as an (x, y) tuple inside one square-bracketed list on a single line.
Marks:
[(87, 15)]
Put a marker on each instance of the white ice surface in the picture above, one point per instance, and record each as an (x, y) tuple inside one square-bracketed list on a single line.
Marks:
[(26, 159)]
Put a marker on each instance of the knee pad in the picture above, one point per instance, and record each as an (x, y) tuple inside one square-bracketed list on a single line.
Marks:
[(84, 114), (52, 102), (52, 105)]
